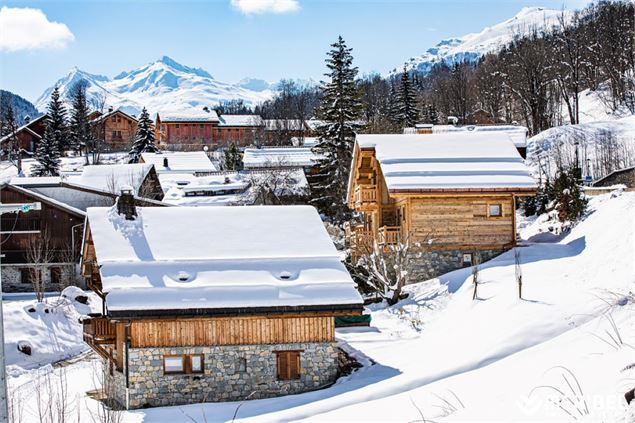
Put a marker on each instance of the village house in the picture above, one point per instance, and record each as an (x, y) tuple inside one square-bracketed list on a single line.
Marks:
[(232, 188), (195, 129), (28, 134), (190, 162), (240, 129), (141, 177), (282, 131), (453, 193), (116, 129), (40, 248), (625, 176), (46, 244), (280, 157), (187, 319)]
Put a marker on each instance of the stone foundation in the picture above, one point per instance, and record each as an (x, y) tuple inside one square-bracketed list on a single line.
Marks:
[(12, 278), (231, 373), (434, 263)]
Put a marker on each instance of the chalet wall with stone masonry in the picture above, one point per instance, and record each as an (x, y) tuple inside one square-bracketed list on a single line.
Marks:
[(222, 380), (12, 279), (434, 263)]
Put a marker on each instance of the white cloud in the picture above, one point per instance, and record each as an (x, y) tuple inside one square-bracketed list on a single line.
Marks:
[(249, 7), (30, 29)]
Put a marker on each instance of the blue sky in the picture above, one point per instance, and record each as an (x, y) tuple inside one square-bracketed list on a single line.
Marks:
[(230, 43)]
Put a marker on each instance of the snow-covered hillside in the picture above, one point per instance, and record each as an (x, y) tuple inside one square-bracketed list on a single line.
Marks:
[(472, 46), (562, 353), (163, 85)]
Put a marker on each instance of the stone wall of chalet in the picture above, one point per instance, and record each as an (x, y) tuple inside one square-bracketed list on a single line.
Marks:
[(623, 177), (232, 373), (12, 278), (434, 263)]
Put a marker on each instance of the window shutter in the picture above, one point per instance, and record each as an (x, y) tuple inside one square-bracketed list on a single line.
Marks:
[(294, 365), (283, 366)]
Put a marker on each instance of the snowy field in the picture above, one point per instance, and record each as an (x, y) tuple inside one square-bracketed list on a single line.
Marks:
[(559, 354)]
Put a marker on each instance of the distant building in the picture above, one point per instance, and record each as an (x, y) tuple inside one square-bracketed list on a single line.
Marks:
[(193, 130), (141, 177), (624, 176), (282, 131), (280, 157), (187, 319), (29, 135), (116, 129)]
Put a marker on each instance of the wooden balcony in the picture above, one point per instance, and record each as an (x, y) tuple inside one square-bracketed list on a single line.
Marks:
[(99, 330), (389, 235), (365, 197)]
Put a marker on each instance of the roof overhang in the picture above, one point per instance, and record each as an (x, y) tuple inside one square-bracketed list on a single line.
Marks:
[(330, 310)]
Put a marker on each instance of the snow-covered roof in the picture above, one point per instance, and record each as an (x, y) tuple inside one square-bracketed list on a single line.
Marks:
[(189, 116), (279, 157), (112, 178), (304, 142), (180, 162), (237, 186), (449, 161), (45, 199), (113, 112), (517, 133), (35, 181), (264, 256), (25, 127), (241, 120)]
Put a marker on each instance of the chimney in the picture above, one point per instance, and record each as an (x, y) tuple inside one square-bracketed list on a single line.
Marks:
[(27, 119), (165, 162), (110, 109), (125, 203)]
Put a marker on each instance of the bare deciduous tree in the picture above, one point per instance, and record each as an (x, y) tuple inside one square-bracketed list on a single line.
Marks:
[(40, 253)]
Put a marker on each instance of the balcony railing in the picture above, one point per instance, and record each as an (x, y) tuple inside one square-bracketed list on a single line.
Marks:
[(358, 235), (99, 330), (365, 195), (389, 235)]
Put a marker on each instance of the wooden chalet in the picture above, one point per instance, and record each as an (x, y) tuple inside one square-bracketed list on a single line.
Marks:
[(141, 177), (193, 130), (453, 193), (41, 246), (116, 129), (214, 304), (29, 134)]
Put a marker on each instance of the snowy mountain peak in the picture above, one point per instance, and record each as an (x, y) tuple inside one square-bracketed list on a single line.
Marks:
[(162, 85), (472, 46)]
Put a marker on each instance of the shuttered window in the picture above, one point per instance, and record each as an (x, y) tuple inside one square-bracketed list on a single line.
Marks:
[(288, 363)]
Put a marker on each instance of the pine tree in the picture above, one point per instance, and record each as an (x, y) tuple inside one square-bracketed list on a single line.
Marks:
[(340, 110), (406, 102), (431, 115), (55, 135), (233, 160), (570, 202), (81, 136), (9, 126), (144, 138)]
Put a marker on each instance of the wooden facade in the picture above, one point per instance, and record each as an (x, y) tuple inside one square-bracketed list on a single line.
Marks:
[(115, 129), (61, 225), (443, 219), (193, 134)]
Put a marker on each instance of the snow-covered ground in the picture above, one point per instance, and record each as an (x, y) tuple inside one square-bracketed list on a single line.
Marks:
[(558, 354)]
